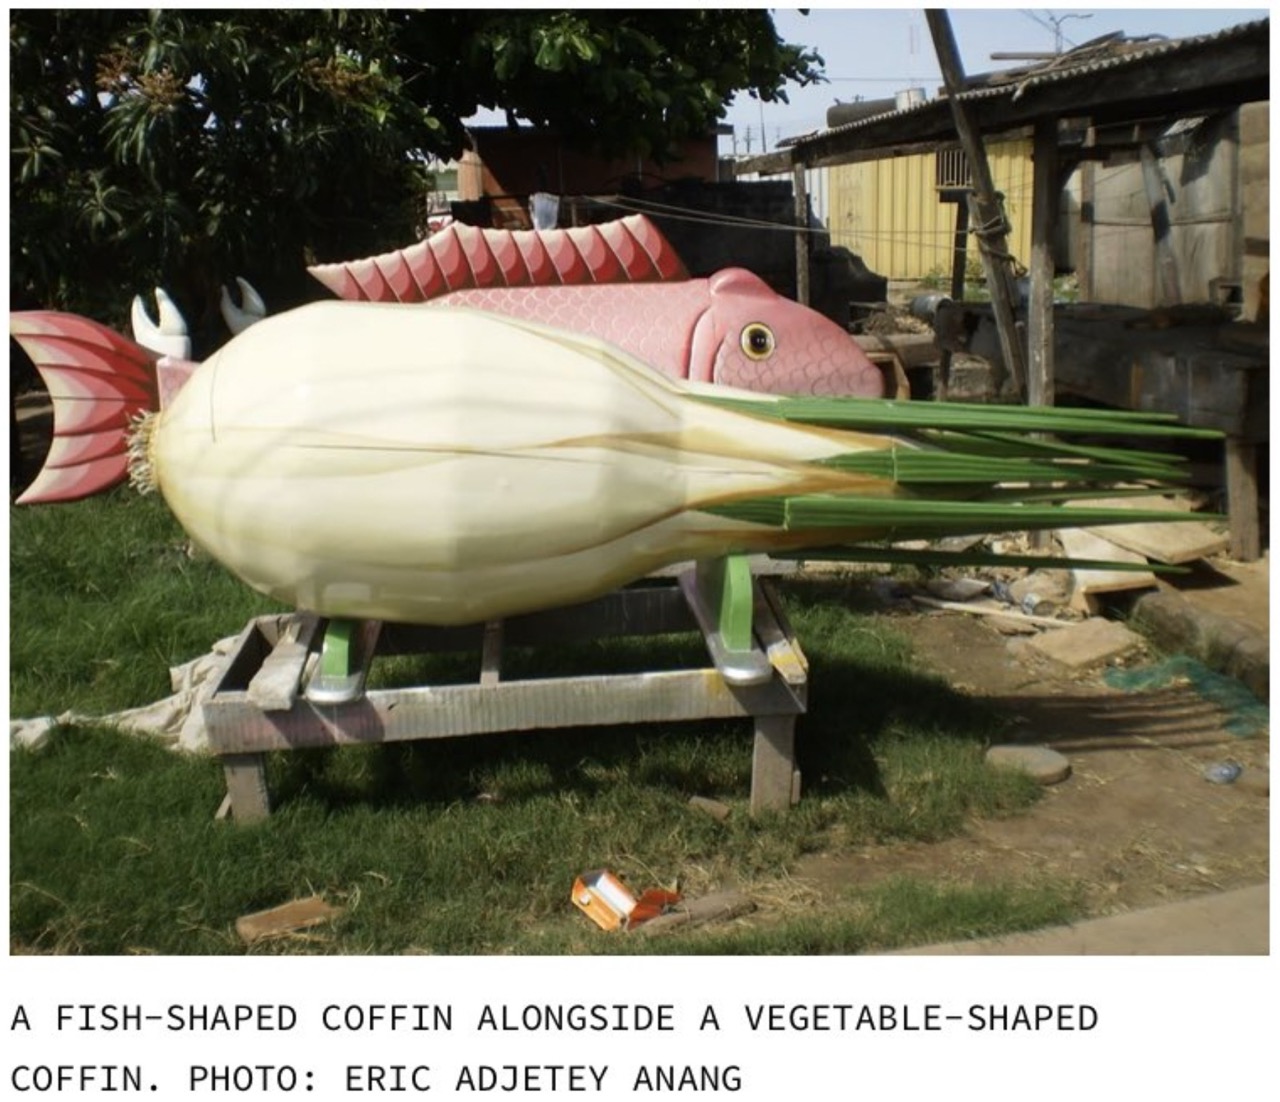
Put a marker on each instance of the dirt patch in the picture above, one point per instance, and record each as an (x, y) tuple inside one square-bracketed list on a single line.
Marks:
[(1135, 824)]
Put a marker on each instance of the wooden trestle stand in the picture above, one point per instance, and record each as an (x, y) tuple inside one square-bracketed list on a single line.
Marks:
[(295, 681)]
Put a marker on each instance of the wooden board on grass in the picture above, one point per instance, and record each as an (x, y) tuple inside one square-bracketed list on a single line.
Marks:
[(298, 914)]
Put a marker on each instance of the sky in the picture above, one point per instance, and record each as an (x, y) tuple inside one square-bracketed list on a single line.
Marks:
[(874, 53)]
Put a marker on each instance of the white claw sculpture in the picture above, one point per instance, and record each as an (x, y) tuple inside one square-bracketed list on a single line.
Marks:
[(238, 318), (170, 337)]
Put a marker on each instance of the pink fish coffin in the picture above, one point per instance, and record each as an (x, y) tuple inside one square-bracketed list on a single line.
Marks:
[(622, 281)]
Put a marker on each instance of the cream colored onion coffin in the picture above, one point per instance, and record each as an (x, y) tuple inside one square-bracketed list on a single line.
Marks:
[(449, 466)]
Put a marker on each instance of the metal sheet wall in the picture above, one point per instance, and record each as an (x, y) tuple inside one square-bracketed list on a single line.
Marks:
[(888, 211)]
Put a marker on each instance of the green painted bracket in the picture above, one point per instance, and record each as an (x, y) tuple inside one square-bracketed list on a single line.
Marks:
[(729, 591), (345, 655), (338, 652)]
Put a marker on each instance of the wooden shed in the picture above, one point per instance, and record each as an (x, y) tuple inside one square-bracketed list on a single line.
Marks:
[(1109, 102)]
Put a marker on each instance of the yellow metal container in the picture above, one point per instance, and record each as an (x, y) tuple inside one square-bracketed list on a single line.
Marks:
[(889, 211)]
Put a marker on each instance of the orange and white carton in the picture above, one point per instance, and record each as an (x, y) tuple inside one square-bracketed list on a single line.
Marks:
[(606, 900)]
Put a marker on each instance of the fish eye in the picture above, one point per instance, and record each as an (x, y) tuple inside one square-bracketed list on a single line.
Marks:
[(757, 341)]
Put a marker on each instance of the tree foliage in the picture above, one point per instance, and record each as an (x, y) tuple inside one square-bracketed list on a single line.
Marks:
[(182, 147), (630, 81)]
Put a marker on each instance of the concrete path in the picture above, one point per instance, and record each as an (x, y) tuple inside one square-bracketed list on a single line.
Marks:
[(1234, 923)]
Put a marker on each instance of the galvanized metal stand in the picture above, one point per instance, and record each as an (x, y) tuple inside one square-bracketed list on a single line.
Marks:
[(295, 682)]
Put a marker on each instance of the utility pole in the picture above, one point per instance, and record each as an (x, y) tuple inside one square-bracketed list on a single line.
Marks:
[(1058, 20)]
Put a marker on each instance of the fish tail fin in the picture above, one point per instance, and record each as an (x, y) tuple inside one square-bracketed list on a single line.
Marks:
[(99, 382), (460, 257)]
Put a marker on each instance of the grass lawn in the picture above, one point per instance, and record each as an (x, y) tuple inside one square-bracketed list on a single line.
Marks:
[(459, 846)]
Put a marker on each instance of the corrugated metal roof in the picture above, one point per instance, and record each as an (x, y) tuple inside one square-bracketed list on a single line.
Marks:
[(1102, 57)]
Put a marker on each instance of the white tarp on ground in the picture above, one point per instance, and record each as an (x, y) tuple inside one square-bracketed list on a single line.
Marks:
[(177, 720)]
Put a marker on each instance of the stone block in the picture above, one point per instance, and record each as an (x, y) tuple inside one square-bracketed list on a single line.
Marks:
[(1091, 643)]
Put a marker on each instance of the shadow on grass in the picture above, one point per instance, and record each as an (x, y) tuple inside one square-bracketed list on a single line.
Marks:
[(113, 847), (855, 712)]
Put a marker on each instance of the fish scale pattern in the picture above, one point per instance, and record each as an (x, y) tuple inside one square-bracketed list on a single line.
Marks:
[(640, 318)]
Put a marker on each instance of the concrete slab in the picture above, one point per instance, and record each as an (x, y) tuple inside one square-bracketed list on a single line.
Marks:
[(1182, 624), (1086, 644)]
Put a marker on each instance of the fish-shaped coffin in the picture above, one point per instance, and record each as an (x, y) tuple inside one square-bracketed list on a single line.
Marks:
[(621, 281)]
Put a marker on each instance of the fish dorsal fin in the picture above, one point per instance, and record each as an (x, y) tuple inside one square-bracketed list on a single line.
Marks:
[(99, 382), (459, 257)]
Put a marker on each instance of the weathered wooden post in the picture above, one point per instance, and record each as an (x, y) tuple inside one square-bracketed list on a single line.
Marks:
[(1044, 205), (990, 226), (802, 233)]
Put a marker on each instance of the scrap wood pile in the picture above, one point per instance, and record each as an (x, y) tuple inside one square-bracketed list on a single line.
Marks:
[(1052, 590)]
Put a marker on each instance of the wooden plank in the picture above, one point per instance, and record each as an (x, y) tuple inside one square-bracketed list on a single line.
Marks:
[(766, 164), (450, 711), (275, 686), (1221, 74), (782, 649), (1085, 250), (910, 349), (802, 234), (1167, 543), (246, 776), (773, 764), (1242, 500), (716, 907), (1046, 191), (989, 608), (1080, 544), (890, 365), (1161, 228), (1171, 542), (298, 914), (1044, 209), (247, 655)]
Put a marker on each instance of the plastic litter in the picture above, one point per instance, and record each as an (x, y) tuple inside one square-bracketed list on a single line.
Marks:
[(1223, 772), (604, 899)]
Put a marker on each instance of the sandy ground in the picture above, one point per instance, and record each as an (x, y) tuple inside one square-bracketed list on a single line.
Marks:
[(1136, 823)]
